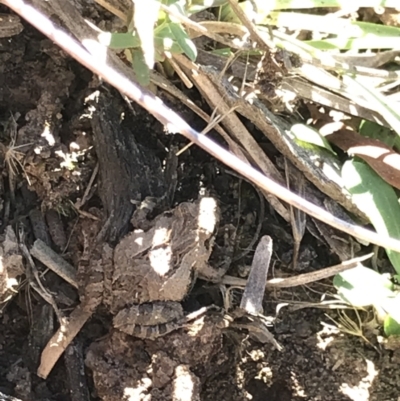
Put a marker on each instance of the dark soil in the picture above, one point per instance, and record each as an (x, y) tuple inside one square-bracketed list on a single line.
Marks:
[(45, 92)]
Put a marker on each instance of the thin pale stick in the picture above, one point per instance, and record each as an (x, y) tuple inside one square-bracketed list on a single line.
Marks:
[(175, 123), (54, 262), (302, 279), (208, 128), (255, 286), (61, 339)]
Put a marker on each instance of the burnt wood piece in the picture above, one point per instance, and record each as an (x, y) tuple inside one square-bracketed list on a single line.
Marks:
[(127, 171), (75, 365)]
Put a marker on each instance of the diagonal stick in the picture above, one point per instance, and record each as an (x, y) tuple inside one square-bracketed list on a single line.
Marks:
[(175, 123)]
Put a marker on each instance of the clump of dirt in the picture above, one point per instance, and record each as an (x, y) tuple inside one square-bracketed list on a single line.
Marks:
[(167, 368)]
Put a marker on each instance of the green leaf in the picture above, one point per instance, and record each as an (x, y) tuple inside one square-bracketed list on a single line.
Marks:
[(362, 286), (373, 130), (259, 10), (119, 41), (140, 67), (342, 27), (376, 199), (391, 327), (307, 134), (386, 107), (302, 4), (178, 7), (183, 40), (224, 52), (166, 45), (164, 40), (345, 43), (391, 305)]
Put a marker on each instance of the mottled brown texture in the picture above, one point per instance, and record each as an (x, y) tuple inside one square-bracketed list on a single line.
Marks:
[(149, 272), (10, 25), (164, 369)]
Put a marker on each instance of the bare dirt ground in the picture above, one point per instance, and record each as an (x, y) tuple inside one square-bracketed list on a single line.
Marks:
[(50, 128)]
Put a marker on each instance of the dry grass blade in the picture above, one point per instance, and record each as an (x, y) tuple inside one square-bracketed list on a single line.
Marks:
[(13, 158), (164, 84), (307, 90), (346, 325), (302, 279), (298, 218), (201, 29), (117, 9), (54, 262), (33, 276), (261, 216), (249, 315), (236, 128), (214, 121), (118, 75), (260, 39)]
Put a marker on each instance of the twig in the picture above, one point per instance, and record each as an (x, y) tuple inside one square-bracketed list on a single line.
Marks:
[(81, 202), (261, 216), (54, 262), (298, 219), (236, 128), (175, 123), (259, 331), (251, 303), (255, 286), (121, 14), (302, 279), (32, 270), (165, 85), (244, 19), (184, 78), (202, 30), (214, 121), (61, 339)]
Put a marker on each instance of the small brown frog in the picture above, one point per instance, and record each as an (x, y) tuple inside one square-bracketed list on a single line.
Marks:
[(149, 272)]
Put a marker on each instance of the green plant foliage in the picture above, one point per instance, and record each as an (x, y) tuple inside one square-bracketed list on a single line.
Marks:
[(224, 52), (391, 327), (377, 199), (345, 43), (373, 130), (120, 41), (167, 35), (349, 34), (182, 39), (380, 103), (307, 134), (362, 286), (303, 4), (140, 67), (261, 12)]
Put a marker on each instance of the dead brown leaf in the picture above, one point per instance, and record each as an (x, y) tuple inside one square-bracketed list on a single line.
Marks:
[(380, 157)]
